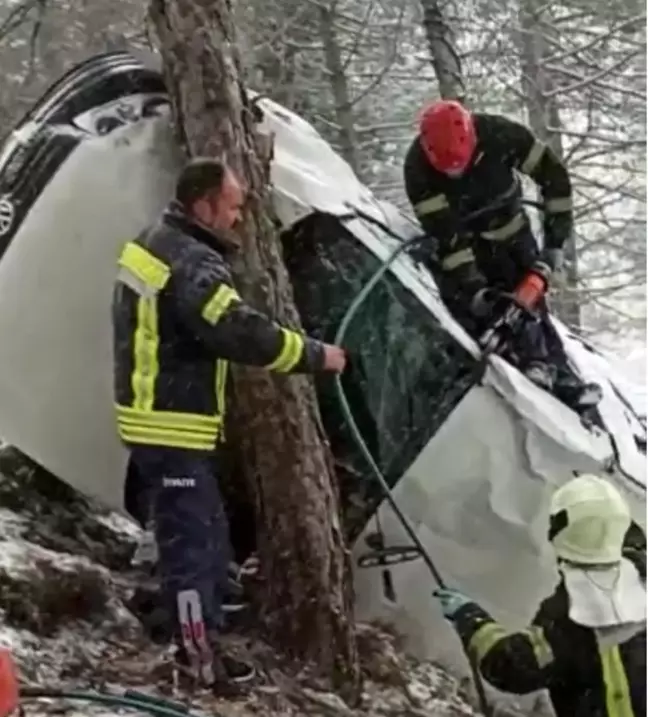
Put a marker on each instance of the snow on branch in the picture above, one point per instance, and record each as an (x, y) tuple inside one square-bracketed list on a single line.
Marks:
[(593, 79), (596, 40)]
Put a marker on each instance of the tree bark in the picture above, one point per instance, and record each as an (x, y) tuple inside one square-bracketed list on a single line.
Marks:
[(286, 457), (444, 56), (538, 85)]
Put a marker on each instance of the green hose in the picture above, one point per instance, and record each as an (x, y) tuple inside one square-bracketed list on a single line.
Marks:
[(348, 413), (131, 699), (362, 445)]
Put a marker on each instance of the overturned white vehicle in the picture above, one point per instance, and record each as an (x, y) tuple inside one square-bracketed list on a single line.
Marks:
[(472, 465)]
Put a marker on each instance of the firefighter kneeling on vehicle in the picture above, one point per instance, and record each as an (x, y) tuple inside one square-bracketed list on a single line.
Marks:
[(178, 320), (463, 164), (587, 643)]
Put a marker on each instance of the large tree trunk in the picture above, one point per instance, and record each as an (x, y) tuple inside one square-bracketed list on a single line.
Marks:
[(285, 453), (538, 87), (444, 56)]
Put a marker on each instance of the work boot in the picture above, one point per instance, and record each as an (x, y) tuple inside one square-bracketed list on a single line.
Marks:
[(579, 395), (540, 373), (589, 394), (223, 674)]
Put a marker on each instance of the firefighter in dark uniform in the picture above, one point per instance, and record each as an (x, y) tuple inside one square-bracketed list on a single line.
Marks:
[(178, 322), (587, 642), (462, 163)]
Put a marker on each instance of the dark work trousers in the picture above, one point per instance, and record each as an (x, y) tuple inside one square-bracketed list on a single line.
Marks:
[(178, 490), (137, 500)]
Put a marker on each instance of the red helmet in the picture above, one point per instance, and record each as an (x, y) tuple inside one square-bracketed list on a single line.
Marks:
[(447, 135)]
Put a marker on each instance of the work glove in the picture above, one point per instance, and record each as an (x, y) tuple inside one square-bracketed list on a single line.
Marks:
[(535, 284), (146, 553), (548, 263), (451, 601), (530, 290)]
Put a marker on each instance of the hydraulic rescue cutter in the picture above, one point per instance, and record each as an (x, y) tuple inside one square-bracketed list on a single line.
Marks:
[(519, 309)]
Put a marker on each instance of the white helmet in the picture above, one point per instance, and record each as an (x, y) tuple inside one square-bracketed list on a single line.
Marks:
[(589, 519)]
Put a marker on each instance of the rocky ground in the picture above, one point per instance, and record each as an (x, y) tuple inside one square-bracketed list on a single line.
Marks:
[(65, 577)]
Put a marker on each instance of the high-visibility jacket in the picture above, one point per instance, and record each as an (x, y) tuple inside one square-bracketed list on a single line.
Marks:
[(442, 203), (177, 321), (585, 675)]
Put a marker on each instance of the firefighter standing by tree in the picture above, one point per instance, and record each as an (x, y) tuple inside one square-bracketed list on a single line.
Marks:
[(461, 163), (587, 643), (178, 320)]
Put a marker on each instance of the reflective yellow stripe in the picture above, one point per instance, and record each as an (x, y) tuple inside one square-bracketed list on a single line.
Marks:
[(533, 158), (154, 274), (431, 205), (617, 690), (167, 438), (168, 419), (221, 385), (221, 382), (506, 231), (490, 634), (147, 268), (562, 204), (217, 305), (168, 428), (541, 648), (290, 354), (458, 258), (145, 349), (484, 639)]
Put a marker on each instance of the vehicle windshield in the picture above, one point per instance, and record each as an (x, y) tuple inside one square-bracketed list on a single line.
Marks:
[(406, 374)]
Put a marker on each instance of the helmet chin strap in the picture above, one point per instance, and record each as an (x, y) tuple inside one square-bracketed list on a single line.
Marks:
[(593, 567), (455, 173)]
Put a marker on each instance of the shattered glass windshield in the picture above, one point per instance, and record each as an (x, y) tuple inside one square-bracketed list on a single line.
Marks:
[(406, 374)]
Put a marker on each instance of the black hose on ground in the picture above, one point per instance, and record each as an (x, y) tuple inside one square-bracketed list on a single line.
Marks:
[(131, 699)]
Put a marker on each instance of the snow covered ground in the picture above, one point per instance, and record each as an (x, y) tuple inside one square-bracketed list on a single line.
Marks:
[(64, 579)]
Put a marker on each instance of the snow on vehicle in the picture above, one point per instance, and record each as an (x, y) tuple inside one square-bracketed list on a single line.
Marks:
[(471, 462)]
